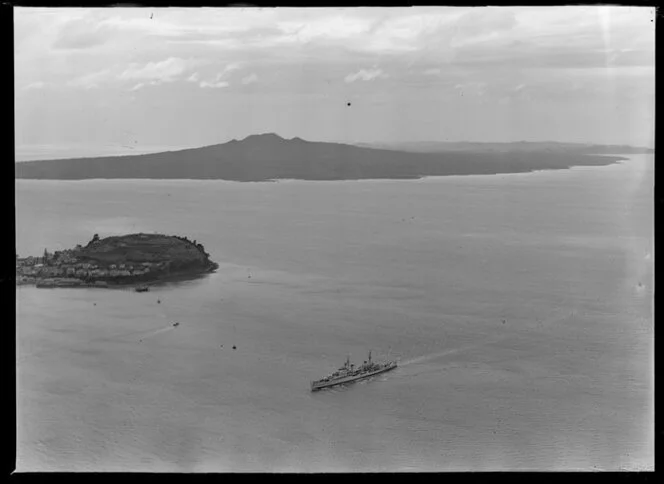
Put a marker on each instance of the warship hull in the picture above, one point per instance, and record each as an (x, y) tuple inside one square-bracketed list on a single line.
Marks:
[(319, 385)]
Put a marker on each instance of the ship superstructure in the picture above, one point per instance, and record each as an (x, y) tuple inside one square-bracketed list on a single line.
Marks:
[(349, 373)]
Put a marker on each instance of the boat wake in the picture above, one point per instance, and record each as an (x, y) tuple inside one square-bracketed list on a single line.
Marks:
[(440, 354), (157, 332), (431, 356), (138, 335), (563, 315)]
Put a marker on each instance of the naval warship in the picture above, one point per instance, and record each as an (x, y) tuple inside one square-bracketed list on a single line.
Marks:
[(349, 373)]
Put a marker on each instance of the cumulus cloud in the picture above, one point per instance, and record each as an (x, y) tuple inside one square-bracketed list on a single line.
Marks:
[(328, 27), (249, 79), (214, 84), (561, 54), (163, 71), (218, 81), (477, 38), (148, 74), (141, 85), (234, 66), (92, 80), (484, 23), (35, 85), (365, 75)]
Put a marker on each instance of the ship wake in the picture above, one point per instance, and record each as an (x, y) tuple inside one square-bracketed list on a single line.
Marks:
[(139, 335), (440, 354), (542, 323), (157, 332)]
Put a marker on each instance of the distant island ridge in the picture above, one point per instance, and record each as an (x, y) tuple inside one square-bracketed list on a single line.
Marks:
[(268, 157)]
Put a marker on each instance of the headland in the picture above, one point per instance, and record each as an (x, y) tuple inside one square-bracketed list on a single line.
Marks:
[(117, 261)]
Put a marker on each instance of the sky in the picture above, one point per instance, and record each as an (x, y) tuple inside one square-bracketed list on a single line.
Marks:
[(131, 80)]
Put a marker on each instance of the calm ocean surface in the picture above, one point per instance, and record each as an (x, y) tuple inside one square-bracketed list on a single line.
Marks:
[(520, 307)]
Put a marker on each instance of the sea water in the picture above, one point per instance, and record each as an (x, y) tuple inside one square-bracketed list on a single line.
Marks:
[(519, 307)]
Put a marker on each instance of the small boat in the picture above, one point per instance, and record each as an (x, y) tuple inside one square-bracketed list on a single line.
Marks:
[(175, 325), (348, 373), (142, 289)]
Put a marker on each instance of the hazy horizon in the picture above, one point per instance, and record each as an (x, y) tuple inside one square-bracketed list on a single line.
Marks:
[(134, 80)]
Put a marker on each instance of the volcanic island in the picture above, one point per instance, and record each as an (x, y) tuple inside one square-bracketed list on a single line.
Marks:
[(117, 261)]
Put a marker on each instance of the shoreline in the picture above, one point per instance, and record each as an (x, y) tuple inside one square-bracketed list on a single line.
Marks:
[(619, 159), (378, 167), (68, 282)]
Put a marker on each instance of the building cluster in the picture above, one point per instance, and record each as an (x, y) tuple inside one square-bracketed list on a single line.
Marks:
[(65, 264)]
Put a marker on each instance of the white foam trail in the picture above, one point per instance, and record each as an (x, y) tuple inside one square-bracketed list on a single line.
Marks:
[(421, 359), (158, 331), (431, 356), (130, 334)]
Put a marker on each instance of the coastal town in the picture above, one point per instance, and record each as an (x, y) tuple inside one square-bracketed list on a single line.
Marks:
[(102, 264)]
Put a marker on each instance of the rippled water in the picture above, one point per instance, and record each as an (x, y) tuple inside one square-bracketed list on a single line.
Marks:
[(520, 307)]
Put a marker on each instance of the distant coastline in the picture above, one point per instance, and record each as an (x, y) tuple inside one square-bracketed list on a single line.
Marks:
[(268, 157)]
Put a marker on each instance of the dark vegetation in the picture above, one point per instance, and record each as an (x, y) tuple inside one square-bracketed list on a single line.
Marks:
[(139, 248)]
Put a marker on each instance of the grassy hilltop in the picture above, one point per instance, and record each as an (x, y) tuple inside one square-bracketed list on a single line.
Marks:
[(139, 248)]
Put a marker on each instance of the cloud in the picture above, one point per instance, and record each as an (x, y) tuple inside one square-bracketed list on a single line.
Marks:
[(82, 34), (326, 27), (227, 70), (218, 81), (141, 85), (561, 38), (562, 54), (232, 67), (473, 88), (163, 71), (249, 79), (35, 85), (365, 75), (214, 84), (93, 80), (484, 23), (77, 45), (149, 74)]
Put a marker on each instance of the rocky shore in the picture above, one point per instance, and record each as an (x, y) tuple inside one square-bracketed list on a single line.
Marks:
[(116, 261)]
